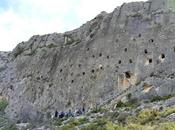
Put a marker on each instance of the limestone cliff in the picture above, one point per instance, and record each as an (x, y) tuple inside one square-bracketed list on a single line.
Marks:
[(132, 47)]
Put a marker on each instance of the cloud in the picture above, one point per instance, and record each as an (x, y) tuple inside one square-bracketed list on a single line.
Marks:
[(20, 19)]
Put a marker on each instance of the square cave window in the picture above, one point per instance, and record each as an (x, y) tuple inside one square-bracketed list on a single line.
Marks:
[(130, 61), (92, 70), (163, 56), (100, 54), (72, 81), (150, 61), (146, 51)]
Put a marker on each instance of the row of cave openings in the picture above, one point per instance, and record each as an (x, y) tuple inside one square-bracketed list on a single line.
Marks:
[(100, 67), (148, 61), (127, 74)]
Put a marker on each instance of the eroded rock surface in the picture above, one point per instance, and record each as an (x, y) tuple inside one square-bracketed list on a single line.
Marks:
[(134, 46)]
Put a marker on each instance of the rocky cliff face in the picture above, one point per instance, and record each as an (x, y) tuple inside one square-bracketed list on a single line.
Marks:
[(132, 47)]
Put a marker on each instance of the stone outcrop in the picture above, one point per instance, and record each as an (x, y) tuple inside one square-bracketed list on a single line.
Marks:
[(134, 46)]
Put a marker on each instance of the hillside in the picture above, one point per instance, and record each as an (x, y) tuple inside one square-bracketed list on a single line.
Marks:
[(123, 57)]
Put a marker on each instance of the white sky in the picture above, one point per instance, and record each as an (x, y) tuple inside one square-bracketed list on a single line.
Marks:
[(21, 19)]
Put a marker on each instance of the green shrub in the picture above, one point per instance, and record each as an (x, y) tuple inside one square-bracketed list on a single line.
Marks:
[(83, 120), (147, 116), (167, 112), (159, 98), (74, 122), (97, 110), (10, 127), (130, 103), (129, 96), (3, 104), (101, 121), (51, 45), (121, 104), (150, 116), (144, 117)]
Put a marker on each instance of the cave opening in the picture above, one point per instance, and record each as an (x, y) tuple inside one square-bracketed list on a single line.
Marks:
[(139, 35), (146, 51), (130, 61), (72, 81), (100, 54), (150, 61), (92, 70), (163, 56), (151, 40), (128, 74)]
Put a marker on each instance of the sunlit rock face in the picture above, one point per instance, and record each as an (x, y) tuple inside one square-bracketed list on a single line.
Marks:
[(134, 46)]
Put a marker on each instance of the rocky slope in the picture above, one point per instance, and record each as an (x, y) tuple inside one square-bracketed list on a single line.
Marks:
[(128, 51)]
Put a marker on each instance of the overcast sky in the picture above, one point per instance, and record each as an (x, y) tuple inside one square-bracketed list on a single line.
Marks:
[(20, 19)]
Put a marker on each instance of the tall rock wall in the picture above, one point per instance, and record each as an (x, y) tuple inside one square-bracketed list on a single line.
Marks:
[(132, 46)]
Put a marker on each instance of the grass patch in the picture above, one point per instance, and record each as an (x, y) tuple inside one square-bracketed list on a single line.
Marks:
[(147, 116), (165, 126), (98, 124), (161, 126)]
